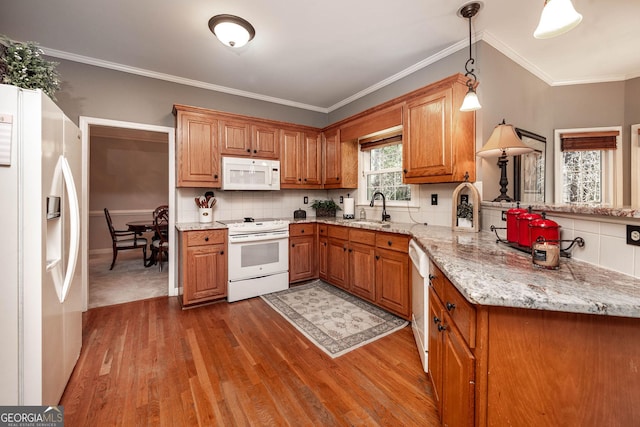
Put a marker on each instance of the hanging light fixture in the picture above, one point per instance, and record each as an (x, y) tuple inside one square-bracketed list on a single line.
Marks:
[(558, 17), (231, 30), (470, 102)]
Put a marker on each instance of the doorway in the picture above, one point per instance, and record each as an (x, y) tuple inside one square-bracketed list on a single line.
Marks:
[(93, 131)]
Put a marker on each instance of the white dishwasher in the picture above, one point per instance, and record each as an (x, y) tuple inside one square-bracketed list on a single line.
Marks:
[(420, 300)]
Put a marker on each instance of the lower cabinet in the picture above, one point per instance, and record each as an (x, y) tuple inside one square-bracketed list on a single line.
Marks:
[(371, 264), (203, 266), (323, 249), (303, 259)]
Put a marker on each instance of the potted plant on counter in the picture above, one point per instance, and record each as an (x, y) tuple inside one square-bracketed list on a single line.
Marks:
[(325, 208), (465, 214)]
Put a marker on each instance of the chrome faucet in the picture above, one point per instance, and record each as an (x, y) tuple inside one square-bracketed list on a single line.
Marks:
[(385, 217)]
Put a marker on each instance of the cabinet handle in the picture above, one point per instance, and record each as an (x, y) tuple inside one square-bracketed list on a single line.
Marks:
[(324, 243), (441, 328), (431, 277), (450, 306), (349, 250), (377, 257), (305, 179), (404, 170), (344, 249), (221, 252), (299, 179), (206, 239), (436, 319), (389, 243), (302, 231), (337, 178), (293, 245), (215, 176), (255, 151), (248, 150)]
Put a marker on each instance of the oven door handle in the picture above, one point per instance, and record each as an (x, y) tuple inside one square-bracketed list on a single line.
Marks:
[(258, 237)]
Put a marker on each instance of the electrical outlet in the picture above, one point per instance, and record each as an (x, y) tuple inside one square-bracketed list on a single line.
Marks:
[(434, 199), (341, 199), (305, 200), (633, 235), (504, 215)]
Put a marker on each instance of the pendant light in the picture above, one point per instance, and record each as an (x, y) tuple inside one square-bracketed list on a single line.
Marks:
[(470, 102), (231, 30), (558, 17)]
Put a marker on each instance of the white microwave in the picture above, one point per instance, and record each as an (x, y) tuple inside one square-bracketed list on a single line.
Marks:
[(239, 173)]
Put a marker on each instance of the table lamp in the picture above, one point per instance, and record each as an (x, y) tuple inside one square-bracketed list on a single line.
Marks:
[(503, 142)]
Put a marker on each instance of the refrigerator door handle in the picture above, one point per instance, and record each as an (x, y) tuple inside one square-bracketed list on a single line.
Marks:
[(74, 233)]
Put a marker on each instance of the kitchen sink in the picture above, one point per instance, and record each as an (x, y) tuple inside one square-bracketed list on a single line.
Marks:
[(373, 223)]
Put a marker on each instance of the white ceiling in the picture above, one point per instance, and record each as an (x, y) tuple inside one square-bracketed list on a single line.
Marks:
[(320, 55)]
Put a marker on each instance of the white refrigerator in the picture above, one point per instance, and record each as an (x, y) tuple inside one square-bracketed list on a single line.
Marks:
[(40, 272)]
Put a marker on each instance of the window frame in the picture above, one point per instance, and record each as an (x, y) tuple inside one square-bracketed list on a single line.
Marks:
[(612, 162), (364, 156)]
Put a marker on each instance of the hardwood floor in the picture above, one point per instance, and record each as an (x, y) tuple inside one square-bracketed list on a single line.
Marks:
[(150, 363)]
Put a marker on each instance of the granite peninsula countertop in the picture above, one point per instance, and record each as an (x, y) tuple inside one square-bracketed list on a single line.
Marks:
[(490, 273), (195, 226)]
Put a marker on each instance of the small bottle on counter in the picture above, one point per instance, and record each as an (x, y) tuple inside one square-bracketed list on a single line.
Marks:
[(363, 214)]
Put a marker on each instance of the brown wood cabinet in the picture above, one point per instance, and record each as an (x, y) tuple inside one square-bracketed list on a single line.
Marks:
[(451, 361), (197, 149), (303, 257), (495, 366), (340, 161), (235, 138), (265, 141), (323, 249), (300, 159), (371, 264), (203, 266), (439, 139)]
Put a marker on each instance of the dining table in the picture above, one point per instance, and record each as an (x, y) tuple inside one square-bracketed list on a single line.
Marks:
[(143, 226)]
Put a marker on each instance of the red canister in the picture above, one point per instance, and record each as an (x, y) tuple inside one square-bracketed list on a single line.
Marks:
[(512, 222), (524, 235), (545, 229)]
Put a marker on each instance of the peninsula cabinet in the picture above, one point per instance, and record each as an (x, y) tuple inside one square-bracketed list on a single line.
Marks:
[(203, 266), (197, 149), (439, 139), (300, 159), (392, 273), (303, 257), (498, 366)]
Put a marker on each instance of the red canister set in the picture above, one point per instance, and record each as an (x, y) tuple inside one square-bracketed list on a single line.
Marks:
[(533, 231)]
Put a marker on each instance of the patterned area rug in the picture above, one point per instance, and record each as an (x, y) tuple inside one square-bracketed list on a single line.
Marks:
[(332, 319)]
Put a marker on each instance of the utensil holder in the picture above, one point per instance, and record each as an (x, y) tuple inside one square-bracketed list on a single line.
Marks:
[(205, 214)]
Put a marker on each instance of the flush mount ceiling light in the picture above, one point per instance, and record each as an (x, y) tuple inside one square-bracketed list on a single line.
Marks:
[(558, 17), (470, 102), (231, 30)]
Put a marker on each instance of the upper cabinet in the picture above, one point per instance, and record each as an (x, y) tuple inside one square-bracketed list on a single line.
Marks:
[(439, 139), (241, 138), (265, 141), (340, 161), (300, 159), (196, 148)]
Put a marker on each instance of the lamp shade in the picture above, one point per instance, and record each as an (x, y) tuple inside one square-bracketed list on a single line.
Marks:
[(471, 101), (503, 141), (558, 17), (232, 30)]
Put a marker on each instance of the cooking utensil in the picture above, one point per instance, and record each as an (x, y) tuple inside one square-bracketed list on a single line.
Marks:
[(211, 203)]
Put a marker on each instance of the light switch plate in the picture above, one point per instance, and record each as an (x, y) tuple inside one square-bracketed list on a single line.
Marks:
[(434, 199)]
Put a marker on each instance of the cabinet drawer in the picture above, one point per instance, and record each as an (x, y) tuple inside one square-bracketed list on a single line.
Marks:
[(436, 279), (362, 236), (322, 230), (205, 237), (339, 232), (302, 229), (462, 313), (395, 242)]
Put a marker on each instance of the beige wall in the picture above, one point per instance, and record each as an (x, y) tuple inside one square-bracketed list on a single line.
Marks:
[(128, 177)]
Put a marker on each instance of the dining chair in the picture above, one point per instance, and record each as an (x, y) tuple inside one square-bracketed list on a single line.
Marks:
[(124, 240), (160, 240)]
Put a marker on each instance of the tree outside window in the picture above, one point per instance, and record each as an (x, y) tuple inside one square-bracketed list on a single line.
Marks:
[(382, 169)]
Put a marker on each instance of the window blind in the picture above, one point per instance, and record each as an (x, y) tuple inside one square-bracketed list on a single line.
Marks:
[(588, 141)]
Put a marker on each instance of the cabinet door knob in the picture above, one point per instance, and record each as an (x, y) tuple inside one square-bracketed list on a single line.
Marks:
[(389, 243), (293, 245), (344, 249), (221, 252), (450, 306), (431, 276), (404, 170), (337, 178), (436, 319), (302, 231), (441, 328), (215, 176), (349, 250), (248, 150), (377, 257), (324, 243), (255, 151), (206, 239)]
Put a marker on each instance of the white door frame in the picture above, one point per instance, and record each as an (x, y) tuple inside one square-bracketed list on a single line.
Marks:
[(635, 164), (85, 122)]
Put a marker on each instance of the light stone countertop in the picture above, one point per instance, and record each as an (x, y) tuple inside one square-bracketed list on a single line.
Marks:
[(195, 226), (619, 211), (490, 273)]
